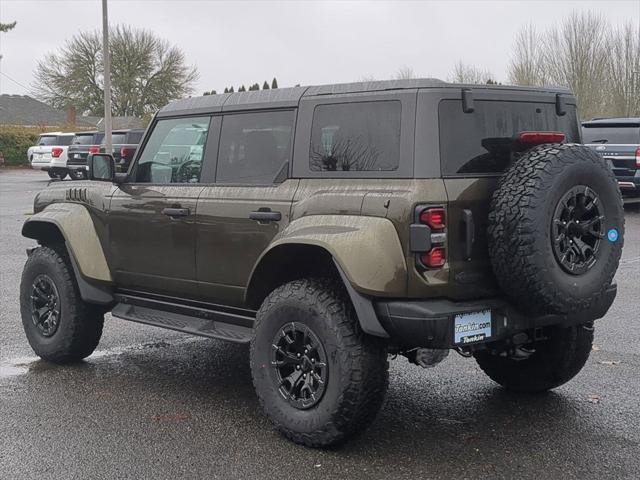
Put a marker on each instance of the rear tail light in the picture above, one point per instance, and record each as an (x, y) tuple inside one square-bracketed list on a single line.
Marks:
[(126, 152), (56, 152), (430, 237), (434, 258), (538, 138), (434, 217), (94, 149), (638, 158)]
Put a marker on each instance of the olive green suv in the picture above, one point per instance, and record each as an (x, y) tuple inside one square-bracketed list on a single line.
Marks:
[(331, 226)]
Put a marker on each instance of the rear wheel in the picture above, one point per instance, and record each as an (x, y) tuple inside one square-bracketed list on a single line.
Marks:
[(554, 361), (59, 325), (319, 378)]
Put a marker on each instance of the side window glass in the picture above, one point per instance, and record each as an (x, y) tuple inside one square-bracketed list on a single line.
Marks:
[(254, 147), (362, 136), (174, 151)]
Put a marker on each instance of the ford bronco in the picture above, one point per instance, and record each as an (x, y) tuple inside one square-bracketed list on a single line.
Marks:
[(331, 226)]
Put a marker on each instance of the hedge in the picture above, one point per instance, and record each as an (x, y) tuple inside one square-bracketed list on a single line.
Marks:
[(14, 142)]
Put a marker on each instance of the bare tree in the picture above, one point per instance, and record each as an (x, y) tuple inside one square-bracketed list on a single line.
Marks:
[(623, 71), (575, 55), (463, 73), (147, 73), (527, 61), (404, 73), (5, 27)]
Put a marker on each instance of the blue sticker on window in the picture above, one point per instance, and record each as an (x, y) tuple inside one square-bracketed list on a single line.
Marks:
[(612, 235)]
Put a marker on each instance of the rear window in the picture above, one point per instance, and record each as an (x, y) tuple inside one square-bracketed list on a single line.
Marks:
[(118, 138), (134, 137), (86, 139), (64, 140), (611, 134), (479, 143), (47, 140), (362, 136)]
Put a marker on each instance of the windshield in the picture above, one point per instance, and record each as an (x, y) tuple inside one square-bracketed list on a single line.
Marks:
[(611, 134)]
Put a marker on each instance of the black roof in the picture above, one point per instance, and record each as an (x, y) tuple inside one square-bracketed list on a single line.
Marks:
[(290, 97), (613, 122)]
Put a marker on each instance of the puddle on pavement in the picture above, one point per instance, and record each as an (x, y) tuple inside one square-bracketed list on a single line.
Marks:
[(23, 365), (12, 371)]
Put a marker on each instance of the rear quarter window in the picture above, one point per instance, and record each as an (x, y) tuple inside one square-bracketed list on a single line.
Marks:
[(479, 143), (360, 136)]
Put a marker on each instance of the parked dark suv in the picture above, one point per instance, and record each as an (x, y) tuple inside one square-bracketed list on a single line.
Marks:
[(617, 140), (82, 144), (125, 143), (332, 226)]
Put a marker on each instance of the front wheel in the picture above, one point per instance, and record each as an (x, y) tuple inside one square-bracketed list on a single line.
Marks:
[(59, 174), (319, 378), (77, 174), (554, 361), (59, 325)]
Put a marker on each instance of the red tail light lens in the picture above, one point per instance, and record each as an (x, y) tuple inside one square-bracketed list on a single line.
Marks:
[(94, 149), (638, 158), (434, 217), (126, 152), (435, 258), (56, 152), (538, 138)]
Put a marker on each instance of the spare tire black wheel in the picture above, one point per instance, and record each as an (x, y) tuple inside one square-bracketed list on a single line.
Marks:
[(556, 229)]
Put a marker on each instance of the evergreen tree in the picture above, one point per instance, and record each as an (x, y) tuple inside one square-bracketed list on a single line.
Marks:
[(231, 90), (226, 90), (265, 85), (274, 83), (242, 89)]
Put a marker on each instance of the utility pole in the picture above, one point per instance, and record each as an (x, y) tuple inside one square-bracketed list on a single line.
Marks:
[(107, 78)]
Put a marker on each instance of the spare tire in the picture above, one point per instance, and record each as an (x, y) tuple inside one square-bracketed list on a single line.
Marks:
[(556, 229)]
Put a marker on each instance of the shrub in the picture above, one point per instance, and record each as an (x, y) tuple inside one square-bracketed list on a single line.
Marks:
[(14, 142)]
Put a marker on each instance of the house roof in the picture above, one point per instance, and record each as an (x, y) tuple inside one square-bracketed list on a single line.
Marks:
[(26, 110)]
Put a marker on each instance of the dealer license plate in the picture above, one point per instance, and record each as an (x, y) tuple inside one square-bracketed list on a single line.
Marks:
[(472, 327)]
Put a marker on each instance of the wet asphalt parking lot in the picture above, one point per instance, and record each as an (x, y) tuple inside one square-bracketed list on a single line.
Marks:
[(152, 403)]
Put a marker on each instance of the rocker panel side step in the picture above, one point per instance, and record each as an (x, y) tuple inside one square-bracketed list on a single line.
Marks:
[(195, 325)]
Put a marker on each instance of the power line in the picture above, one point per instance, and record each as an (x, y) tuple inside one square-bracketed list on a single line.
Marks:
[(16, 82)]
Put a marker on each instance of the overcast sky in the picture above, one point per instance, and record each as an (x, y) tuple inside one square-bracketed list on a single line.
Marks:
[(239, 42)]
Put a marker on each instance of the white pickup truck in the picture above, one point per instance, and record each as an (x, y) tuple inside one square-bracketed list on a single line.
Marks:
[(50, 153)]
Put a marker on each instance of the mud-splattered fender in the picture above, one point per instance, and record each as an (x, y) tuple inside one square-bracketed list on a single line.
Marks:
[(74, 222), (367, 249)]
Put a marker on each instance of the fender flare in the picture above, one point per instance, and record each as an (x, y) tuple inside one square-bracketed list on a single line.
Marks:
[(74, 224), (366, 252)]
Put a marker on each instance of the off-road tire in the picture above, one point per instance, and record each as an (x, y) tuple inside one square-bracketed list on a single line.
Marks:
[(80, 324), (56, 174), (519, 231), (555, 361), (358, 367), (77, 174)]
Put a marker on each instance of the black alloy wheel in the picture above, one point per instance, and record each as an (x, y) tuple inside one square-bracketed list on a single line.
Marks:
[(45, 305), (300, 364), (577, 230)]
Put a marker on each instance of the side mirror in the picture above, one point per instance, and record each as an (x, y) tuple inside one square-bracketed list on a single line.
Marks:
[(102, 167)]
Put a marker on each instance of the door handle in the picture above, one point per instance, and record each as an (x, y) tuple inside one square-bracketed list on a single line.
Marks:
[(176, 212), (265, 215)]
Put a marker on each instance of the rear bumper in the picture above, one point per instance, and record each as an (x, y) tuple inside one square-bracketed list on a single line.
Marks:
[(431, 323)]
